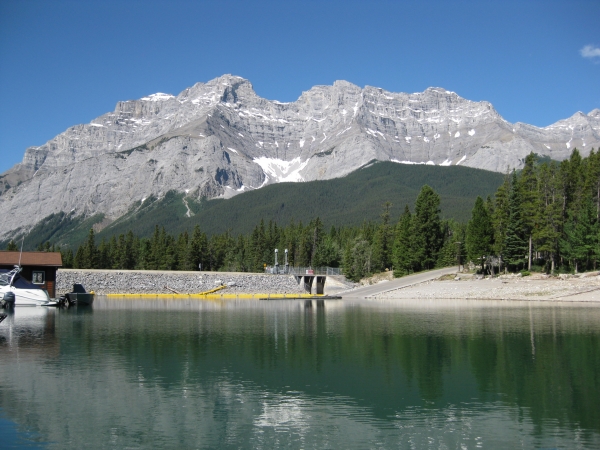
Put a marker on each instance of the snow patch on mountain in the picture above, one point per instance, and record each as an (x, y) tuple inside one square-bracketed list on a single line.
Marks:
[(428, 163), (281, 170), (158, 97)]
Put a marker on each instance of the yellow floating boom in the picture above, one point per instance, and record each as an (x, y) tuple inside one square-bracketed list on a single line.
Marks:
[(210, 295)]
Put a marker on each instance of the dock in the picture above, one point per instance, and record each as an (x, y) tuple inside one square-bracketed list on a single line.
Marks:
[(298, 297)]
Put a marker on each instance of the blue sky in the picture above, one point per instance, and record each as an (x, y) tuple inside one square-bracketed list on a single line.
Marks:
[(66, 62)]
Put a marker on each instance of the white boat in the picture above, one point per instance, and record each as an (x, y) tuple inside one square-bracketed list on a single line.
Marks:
[(26, 293)]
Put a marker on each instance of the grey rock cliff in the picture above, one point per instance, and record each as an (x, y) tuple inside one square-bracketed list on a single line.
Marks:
[(218, 139)]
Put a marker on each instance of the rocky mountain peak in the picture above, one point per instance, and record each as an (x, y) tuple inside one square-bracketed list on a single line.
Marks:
[(594, 113), (219, 138)]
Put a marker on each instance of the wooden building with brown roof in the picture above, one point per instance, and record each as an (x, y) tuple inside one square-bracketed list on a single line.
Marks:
[(38, 267)]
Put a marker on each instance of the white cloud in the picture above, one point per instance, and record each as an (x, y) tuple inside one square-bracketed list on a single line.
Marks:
[(591, 52)]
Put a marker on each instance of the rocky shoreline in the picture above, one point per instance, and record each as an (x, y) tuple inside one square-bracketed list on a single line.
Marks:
[(104, 282), (583, 287)]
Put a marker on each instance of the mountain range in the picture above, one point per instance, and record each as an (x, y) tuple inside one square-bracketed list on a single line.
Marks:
[(220, 139)]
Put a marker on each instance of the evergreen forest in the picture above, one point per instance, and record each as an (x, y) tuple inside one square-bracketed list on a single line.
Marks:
[(545, 217), (344, 201)]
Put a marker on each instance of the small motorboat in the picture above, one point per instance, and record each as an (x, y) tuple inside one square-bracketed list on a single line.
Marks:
[(24, 292), (79, 296)]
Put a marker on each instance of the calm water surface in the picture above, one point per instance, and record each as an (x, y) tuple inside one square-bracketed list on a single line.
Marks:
[(267, 374)]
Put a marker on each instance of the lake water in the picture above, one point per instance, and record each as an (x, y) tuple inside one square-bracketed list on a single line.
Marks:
[(334, 374)]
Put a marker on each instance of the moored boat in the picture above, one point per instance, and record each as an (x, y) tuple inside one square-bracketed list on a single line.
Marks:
[(79, 296), (25, 293)]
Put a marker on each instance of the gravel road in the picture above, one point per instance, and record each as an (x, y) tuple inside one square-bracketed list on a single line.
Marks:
[(566, 288)]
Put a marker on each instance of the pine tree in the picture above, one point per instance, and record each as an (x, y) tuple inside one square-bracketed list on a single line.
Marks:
[(80, 261), (454, 244), (120, 253), (258, 248), (113, 256), (315, 227), (182, 251), (218, 247), (144, 261), (329, 253), (500, 215), (580, 241), (548, 232), (305, 245), (90, 255), (528, 185), (383, 241), (575, 181), (357, 259), (12, 246), (288, 239), (67, 258), (515, 244), (348, 262), (103, 253), (198, 250), (168, 260), (427, 229), (593, 179), (401, 253), (479, 233), (131, 251), (239, 258), (156, 250)]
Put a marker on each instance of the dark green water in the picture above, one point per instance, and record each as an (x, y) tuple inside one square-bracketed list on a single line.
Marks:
[(252, 374)]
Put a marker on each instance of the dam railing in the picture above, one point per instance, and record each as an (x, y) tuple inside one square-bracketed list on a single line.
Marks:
[(291, 270)]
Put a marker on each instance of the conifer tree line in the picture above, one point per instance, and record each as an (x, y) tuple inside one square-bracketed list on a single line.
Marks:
[(372, 247), (545, 217)]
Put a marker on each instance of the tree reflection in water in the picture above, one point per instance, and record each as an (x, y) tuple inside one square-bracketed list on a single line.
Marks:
[(348, 373)]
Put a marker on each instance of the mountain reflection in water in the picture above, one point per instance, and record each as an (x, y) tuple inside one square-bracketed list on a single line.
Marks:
[(247, 374)]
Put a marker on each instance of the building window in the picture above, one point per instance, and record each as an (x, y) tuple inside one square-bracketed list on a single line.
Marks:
[(38, 277)]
